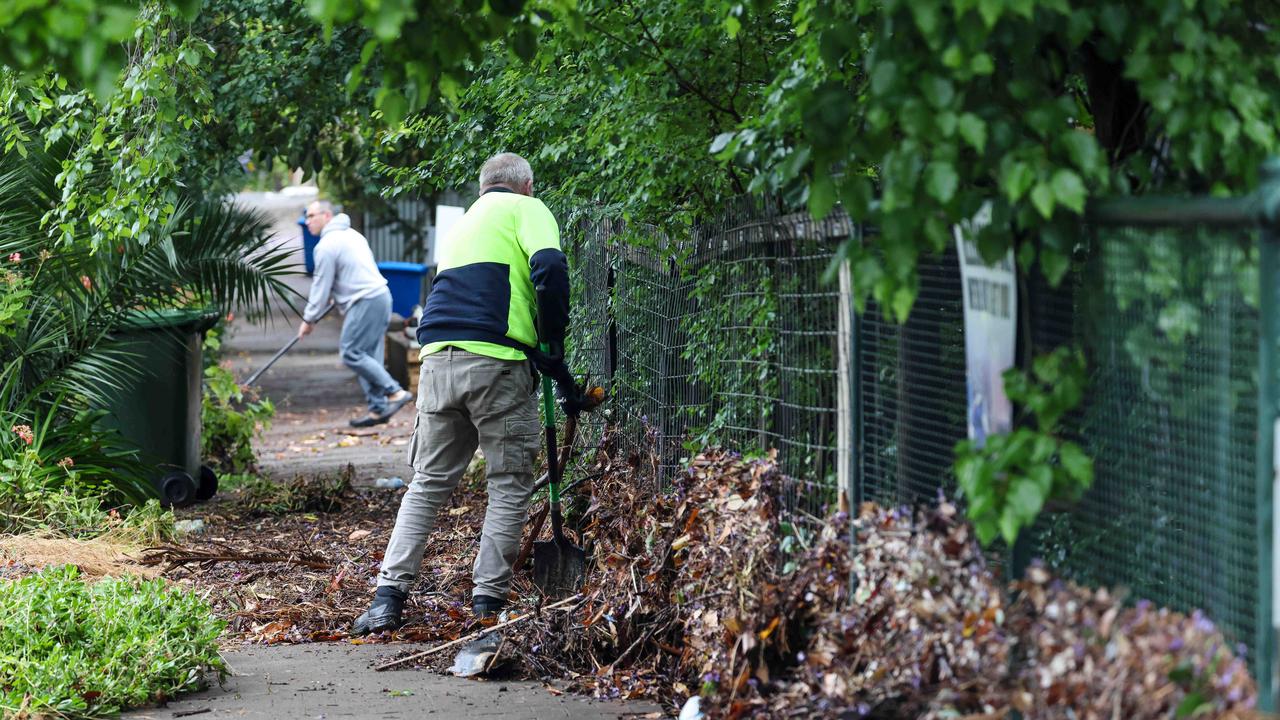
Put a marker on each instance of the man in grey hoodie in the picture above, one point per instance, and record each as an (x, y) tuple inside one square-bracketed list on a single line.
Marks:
[(346, 270)]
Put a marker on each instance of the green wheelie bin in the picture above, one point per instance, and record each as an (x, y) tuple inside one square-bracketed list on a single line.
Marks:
[(158, 408)]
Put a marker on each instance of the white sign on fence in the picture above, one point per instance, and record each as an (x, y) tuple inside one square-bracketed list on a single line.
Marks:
[(446, 216), (990, 330)]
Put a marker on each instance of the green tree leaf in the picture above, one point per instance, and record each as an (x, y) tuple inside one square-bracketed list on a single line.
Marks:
[(1015, 179), (941, 181), (1068, 189), (974, 131), (1043, 198), (938, 91), (822, 196), (1078, 465)]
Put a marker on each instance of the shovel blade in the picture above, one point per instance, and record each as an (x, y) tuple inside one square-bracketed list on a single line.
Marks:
[(558, 567)]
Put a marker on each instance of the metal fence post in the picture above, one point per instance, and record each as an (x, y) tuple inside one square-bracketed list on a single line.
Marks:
[(846, 382), (849, 401), (1267, 471)]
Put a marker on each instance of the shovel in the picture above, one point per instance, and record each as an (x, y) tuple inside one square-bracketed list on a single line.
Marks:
[(558, 565)]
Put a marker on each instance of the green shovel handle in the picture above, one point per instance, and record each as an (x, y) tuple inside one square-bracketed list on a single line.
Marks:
[(548, 409), (549, 425)]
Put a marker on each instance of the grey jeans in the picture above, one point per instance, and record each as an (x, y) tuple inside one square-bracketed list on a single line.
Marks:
[(363, 347), (464, 401)]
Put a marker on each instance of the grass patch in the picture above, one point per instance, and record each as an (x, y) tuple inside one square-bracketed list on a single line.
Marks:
[(236, 481), (78, 650)]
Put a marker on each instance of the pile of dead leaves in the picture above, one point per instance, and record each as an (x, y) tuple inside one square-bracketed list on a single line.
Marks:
[(923, 634), (685, 598), (673, 595), (727, 562), (1091, 656)]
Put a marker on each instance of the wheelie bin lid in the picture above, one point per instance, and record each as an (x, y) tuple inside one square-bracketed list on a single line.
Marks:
[(193, 319), (405, 267)]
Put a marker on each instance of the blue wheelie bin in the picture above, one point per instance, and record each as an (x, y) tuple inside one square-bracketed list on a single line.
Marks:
[(309, 243), (405, 280)]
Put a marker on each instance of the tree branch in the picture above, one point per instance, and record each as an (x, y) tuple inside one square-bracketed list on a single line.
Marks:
[(687, 85)]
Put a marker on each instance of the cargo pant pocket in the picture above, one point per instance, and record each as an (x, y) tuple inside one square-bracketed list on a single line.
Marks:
[(415, 442), (519, 447), (428, 394)]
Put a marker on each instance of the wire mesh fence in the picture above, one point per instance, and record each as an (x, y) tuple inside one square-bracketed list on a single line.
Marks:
[(729, 336), (1169, 319), (726, 336), (912, 388)]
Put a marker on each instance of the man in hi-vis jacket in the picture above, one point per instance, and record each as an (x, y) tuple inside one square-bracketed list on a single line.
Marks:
[(478, 336)]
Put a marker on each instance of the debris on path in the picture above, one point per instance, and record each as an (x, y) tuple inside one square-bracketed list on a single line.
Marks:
[(296, 562)]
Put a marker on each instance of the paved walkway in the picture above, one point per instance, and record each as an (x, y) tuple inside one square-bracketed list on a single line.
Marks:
[(315, 395), (336, 681)]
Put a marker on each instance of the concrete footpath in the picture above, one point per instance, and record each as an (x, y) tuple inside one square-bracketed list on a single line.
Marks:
[(336, 681), (315, 396)]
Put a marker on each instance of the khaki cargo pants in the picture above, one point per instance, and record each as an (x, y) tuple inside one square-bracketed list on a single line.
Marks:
[(464, 401)]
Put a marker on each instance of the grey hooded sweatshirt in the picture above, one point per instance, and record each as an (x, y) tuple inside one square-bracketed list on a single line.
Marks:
[(345, 269)]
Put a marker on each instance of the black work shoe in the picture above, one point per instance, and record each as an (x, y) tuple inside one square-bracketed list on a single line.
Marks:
[(385, 613), (367, 421), (485, 606)]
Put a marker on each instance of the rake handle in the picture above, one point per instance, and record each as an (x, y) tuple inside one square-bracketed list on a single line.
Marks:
[(289, 346)]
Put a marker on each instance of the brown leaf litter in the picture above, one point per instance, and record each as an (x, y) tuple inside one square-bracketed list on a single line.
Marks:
[(304, 576)]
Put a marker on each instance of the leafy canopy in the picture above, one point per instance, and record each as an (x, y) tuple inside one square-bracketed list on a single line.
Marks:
[(935, 107), (619, 114), (427, 46)]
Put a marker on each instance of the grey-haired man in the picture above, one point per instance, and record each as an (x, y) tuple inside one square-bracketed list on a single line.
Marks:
[(477, 389)]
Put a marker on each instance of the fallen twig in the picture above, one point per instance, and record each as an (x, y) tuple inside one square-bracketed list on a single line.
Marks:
[(473, 636), (179, 556), (493, 659)]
